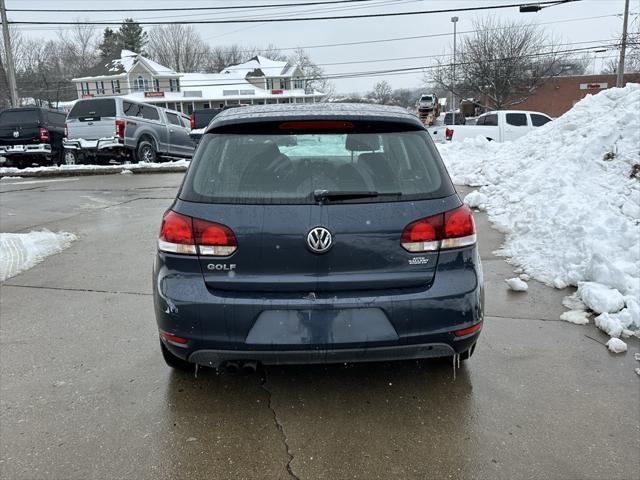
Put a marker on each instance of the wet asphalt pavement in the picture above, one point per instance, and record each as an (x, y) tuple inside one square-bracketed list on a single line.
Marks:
[(84, 392)]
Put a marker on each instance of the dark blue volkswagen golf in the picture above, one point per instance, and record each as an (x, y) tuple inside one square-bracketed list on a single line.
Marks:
[(316, 234)]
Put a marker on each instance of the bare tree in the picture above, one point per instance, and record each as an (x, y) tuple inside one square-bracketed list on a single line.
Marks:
[(381, 93), (315, 75), (502, 61), (78, 48), (179, 47)]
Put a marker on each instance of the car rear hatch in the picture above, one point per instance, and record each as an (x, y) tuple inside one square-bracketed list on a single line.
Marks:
[(92, 119), (273, 188), (20, 126)]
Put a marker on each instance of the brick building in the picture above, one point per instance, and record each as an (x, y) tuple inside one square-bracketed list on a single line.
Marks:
[(559, 94)]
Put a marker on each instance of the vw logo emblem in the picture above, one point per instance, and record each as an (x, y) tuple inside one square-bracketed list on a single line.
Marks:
[(16, 134), (319, 240)]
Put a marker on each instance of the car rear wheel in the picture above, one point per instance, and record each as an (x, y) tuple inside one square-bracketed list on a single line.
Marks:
[(69, 157), (173, 361), (146, 152)]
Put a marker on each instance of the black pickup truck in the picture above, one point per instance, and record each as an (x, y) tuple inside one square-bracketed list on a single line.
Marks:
[(31, 135)]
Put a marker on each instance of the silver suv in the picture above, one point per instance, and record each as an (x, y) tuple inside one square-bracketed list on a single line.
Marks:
[(104, 129)]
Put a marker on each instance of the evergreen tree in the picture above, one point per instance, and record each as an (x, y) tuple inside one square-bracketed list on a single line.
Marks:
[(132, 36), (110, 46)]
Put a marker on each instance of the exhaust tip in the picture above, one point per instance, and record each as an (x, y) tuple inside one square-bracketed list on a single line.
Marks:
[(249, 367), (232, 367)]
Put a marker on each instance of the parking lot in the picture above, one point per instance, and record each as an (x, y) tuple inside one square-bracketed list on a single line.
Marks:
[(84, 392)]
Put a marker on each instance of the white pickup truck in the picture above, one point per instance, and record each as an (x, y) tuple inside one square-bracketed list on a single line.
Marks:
[(499, 126)]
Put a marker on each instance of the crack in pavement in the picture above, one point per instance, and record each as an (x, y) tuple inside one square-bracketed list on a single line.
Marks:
[(526, 319), (90, 211), (66, 289), (279, 426)]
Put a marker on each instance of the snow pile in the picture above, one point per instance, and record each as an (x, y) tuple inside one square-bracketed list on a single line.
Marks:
[(178, 165), (517, 285), (567, 196), (22, 251)]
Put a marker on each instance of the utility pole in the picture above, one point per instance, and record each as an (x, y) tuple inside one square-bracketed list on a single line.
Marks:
[(454, 20), (623, 48), (11, 70)]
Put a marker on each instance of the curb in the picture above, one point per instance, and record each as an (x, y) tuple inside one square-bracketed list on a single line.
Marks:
[(100, 170)]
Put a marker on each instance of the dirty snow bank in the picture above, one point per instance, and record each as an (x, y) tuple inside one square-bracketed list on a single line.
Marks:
[(567, 201), (178, 165), (22, 251)]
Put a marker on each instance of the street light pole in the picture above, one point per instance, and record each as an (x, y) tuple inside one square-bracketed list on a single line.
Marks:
[(623, 47), (11, 70), (454, 20)]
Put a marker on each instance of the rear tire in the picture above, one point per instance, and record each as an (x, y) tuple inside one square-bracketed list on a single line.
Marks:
[(175, 362), (69, 157), (146, 153)]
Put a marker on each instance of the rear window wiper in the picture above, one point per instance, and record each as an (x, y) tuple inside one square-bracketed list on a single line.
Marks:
[(328, 195)]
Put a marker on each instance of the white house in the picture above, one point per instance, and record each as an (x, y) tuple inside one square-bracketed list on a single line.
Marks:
[(258, 81)]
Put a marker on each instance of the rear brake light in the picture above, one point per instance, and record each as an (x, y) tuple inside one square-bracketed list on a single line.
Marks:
[(66, 131), (453, 229), (448, 133), (214, 239), (191, 236), (43, 133), (174, 339), (317, 125), (192, 121), (120, 125), (467, 331)]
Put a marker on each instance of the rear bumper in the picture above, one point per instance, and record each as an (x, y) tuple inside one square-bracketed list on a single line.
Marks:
[(215, 358), (100, 144), (332, 327), (36, 149)]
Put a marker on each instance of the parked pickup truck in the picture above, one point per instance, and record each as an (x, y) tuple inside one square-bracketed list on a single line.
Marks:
[(499, 126), (31, 135), (113, 128)]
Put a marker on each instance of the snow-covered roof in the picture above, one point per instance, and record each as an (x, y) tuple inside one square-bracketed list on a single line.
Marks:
[(123, 65), (270, 68)]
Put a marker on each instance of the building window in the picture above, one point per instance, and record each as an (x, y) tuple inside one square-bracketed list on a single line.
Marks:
[(156, 85), (140, 84), (269, 83), (115, 86), (298, 83), (174, 84), (283, 84), (84, 87)]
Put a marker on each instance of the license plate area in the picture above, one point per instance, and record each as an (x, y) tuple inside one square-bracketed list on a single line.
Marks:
[(321, 327)]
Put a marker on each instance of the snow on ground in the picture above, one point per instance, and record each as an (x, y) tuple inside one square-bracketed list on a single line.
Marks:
[(22, 251), (569, 204), (63, 169), (517, 285)]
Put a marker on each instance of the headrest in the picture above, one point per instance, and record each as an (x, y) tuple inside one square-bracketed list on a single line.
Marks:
[(362, 142)]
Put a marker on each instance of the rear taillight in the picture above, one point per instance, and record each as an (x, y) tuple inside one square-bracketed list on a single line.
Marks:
[(451, 229), (173, 339), (448, 133), (120, 124), (467, 331), (66, 131), (192, 120), (191, 236), (43, 134)]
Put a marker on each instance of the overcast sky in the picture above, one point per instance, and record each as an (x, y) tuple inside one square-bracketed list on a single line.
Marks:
[(572, 23)]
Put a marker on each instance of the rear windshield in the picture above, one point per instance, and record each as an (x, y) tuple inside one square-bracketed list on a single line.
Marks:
[(104, 107), (289, 168), (18, 117)]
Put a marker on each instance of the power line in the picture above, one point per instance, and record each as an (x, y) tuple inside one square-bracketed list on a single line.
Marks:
[(301, 19), (180, 9), (383, 72)]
